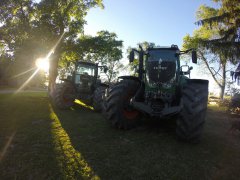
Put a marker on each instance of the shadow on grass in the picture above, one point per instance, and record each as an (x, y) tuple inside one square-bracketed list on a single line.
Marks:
[(79, 144), (40, 148), (151, 150), (70, 161)]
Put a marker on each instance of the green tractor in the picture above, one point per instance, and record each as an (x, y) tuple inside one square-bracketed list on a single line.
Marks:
[(161, 90), (84, 84)]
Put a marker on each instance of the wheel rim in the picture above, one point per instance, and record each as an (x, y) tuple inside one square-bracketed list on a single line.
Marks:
[(128, 112)]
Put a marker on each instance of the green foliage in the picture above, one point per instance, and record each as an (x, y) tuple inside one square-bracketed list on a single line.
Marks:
[(104, 48), (204, 32), (204, 12), (36, 31), (210, 57), (108, 51), (227, 18), (134, 64)]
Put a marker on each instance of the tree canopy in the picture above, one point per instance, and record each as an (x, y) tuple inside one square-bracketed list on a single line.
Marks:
[(215, 45), (104, 48), (53, 28), (227, 18), (134, 65), (29, 30)]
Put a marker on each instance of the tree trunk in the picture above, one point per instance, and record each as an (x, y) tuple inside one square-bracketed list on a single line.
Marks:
[(222, 89), (109, 76), (53, 72), (53, 65), (223, 84)]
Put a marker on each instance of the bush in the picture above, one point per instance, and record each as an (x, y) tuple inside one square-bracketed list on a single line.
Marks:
[(234, 105)]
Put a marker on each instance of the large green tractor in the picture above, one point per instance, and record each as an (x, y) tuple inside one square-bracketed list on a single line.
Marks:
[(163, 90), (84, 84)]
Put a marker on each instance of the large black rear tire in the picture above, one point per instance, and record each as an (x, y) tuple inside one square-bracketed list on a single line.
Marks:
[(65, 95), (192, 116), (98, 99), (118, 109)]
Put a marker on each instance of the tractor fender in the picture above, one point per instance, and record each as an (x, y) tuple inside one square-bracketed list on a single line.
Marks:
[(139, 96), (99, 84), (130, 78), (184, 80), (199, 81), (104, 85), (67, 80)]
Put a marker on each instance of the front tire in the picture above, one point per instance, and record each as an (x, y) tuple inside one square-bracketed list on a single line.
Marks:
[(65, 95), (194, 105), (98, 99), (118, 110)]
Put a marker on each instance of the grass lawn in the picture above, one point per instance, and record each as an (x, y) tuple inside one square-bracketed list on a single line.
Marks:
[(40, 142)]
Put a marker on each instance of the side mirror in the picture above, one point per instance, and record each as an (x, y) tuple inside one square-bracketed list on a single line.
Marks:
[(194, 56), (131, 56), (185, 70)]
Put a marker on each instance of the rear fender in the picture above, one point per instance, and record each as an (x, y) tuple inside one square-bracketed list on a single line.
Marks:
[(130, 78), (104, 85), (139, 96), (184, 81), (69, 81), (198, 81)]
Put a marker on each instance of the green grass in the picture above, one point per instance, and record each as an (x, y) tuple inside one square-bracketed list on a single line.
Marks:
[(45, 143), (217, 108), (7, 88)]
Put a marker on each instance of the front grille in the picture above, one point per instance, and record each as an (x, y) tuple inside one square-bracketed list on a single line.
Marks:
[(157, 106), (161, 73)]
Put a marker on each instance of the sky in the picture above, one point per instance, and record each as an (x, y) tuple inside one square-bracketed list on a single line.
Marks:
[(160, 21)]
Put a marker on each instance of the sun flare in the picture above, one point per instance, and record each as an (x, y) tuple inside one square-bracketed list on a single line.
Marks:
[(43, 64)]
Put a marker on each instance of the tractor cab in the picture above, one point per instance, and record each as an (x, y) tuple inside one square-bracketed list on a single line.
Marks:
[(161, 66), (161, 73), (85, 76)]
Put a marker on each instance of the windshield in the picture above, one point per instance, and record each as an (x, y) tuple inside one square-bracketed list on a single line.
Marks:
[(85, 69), (162, 55), (161, 66)]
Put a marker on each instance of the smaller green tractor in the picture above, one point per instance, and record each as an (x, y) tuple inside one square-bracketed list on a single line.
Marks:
[(163, 90), (84, 84)]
